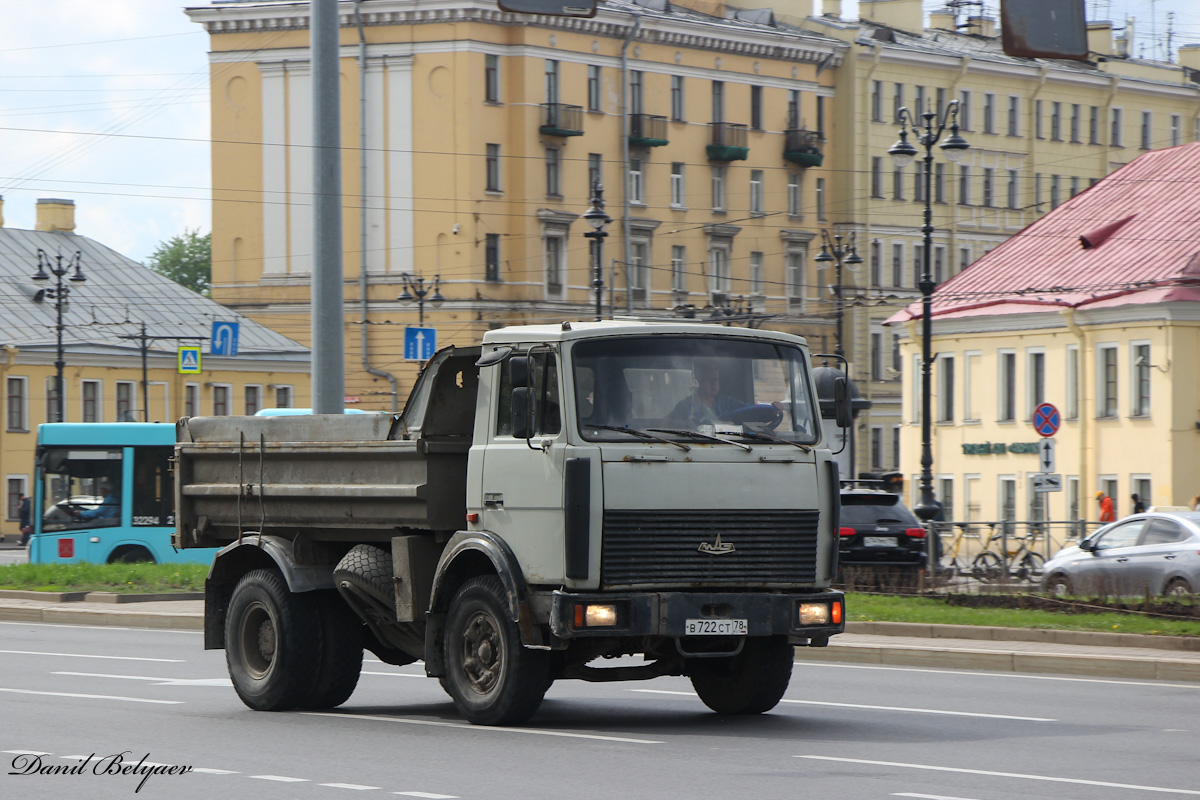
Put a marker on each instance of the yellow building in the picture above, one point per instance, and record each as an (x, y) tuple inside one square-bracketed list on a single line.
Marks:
[(1040, 132), (107, 317), (471, 138), (1095, 309)]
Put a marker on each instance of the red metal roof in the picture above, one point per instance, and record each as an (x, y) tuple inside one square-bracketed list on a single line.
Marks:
[(1133, 238)]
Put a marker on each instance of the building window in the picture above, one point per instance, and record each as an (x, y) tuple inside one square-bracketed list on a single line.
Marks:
[(971, 359), (1075, 121), (718, 263), (191, 400), (919, 100), (491, 78), (964, 110), (945, 389), (52, 400), (126, 404), (220, 400), (491, 257), (1056, 121), (1035, 380), (1007, 385), (636, 92), (1071, 393), (918, 263), (756, 273), (678, 268), (939, 182), (718, 188), (877, 101), (677, 197), (897, 183), (283, 396), (945, 495), (878, 355), (964, 185), (1013, 178), (989, 113), (1115, 138), (253, 399), (593, 87), (756, 108), (89, 395), (897, 264), (1107, 374), (793, 195), (964, 258), (1074, 188), (821, 117), (637, 188), (821, 199), (551, 81), (793, 109), (989, 187), (876, 265), (877, 448), (1037, 120), (1055, 191), (553, 256), (941, 103), (18, 405), (895, 447), (553, 172), (877, 176), (639, 267), (1140, 383), (919, 183), (756, 191), (718, 101), (1147, 131), (1176, 130), (897, 101), (939, 264), (796, 277), (1014, 115), (16, 488), (595, 174), (677, 107), (1094, 125), (493, 167)]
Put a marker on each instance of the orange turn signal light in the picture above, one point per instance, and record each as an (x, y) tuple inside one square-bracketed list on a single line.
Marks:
[(836, 614)]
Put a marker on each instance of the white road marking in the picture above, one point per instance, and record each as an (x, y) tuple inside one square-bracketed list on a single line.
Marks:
[(876, 708), (357, 786), (94, 696), (88, 655), (468, 727), (1018, 676), (208, 771), (395, 674), (429, 795), (280, 778), (929, 796), (995, 774), (156, 681), (100, 627), (25, 752)]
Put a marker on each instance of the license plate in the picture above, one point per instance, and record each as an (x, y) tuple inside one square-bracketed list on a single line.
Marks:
[(716, 627), (879, 541)]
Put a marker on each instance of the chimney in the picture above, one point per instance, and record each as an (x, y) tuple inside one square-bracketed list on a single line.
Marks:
[(943, 19), (55, 215), (1100, 37), (1189, 56), (982, 26), (1126, 39), (906, 15), (831, 8)]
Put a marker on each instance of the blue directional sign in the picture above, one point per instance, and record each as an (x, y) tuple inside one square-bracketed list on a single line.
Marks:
[(419, 343), (224, 339)]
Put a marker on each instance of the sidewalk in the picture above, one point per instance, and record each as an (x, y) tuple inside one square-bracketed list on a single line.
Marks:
[(1105, 655)]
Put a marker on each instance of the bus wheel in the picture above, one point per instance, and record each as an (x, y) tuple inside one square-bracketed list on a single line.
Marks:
[(130, 555), (272, 642)]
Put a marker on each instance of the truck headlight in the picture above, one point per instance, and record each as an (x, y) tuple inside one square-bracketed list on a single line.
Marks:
[(814, 613), (595, 616)]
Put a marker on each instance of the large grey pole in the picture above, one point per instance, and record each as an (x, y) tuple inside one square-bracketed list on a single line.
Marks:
[(328, 352)]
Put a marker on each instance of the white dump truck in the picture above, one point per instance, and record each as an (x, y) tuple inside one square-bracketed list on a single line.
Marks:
[(554, 497)]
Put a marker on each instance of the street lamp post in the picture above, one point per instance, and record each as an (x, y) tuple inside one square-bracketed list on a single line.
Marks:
[(598, 220), (903, 153), (832, 250), (415, 288), (59, 294)]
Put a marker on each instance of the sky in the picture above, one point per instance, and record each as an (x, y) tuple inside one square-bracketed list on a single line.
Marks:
[(106, 104)]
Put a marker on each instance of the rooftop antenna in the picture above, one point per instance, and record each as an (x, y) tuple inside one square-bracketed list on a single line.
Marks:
[(1170, 37)]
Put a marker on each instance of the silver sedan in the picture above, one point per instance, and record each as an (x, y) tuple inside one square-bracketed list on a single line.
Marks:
[(1156, 551)]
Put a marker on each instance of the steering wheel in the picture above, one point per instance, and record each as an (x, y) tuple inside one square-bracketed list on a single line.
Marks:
[(762, 415)]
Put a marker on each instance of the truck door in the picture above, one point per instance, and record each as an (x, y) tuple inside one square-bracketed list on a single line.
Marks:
[(523, 478)]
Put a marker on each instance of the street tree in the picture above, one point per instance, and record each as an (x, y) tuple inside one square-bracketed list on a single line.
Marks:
[(185, 259)]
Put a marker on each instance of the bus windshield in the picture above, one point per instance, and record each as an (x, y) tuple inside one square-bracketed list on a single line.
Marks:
[(81, 488)]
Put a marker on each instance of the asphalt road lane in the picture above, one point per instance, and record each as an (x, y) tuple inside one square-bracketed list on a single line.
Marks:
[(844, 731)]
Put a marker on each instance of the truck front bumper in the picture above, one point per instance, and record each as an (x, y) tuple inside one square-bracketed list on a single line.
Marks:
[(667, 614)]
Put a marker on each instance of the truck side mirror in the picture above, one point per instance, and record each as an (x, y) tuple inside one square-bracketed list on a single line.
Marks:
[(521, 418), (841, 403), (519, 367)]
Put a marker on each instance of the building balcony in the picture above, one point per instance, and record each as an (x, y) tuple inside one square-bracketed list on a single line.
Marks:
[(800, 147), (560, 119), (727, 142), (647, 130)]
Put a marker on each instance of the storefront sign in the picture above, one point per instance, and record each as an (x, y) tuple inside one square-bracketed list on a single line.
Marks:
[(999, 448)]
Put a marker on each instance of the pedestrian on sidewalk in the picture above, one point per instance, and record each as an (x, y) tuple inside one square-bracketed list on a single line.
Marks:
[(1107, 511), (1196, 503), (23, 517), (1138, 505)]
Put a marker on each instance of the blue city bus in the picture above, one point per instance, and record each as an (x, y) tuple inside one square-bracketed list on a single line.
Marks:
[(106, 494)]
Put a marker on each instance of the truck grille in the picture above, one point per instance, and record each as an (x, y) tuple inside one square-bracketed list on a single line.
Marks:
[(657, 548)]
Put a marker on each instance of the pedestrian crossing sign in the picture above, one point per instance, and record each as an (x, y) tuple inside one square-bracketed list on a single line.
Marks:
[(189, 360)]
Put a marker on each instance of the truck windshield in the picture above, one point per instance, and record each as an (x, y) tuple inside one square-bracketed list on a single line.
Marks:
[(690, 383)]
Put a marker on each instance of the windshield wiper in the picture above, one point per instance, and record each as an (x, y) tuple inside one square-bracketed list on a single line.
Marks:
[(638, 433), (713, 437), (768, 437)]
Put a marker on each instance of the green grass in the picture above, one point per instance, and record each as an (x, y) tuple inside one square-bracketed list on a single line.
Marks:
[(128, 578), (889, 608)]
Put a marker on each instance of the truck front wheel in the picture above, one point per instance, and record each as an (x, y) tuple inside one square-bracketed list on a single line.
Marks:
[(752, 682), (492, 678), (272, 642)]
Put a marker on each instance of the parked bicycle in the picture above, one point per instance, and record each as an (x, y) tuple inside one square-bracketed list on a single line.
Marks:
[(1016, 558)]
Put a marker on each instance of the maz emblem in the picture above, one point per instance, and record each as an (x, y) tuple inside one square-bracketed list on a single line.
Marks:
[(716, 548)]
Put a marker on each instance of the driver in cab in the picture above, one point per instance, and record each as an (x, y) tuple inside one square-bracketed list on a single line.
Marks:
[(705, 404)]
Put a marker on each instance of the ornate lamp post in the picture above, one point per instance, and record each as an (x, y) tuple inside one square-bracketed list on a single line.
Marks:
[(415, 288), (832, 250), (598, 220), (954, 147), (59, 294)]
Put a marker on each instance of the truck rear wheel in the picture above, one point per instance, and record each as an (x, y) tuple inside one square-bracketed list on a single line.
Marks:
[(492, 678), (272, 642), (752, 682), (341, 653)]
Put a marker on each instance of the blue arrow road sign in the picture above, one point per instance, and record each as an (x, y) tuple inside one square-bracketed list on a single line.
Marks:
[(224, 339), (419, 343)]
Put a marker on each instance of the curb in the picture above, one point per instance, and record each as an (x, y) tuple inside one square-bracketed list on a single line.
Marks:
[(96, 597), (1189, 644), (78, 615)]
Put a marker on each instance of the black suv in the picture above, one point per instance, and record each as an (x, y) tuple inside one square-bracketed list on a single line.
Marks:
[(878, 535)]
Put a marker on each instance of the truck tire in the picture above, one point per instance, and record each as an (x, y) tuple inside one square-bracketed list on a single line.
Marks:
[(341, 653), (370, 569), (752, 682), (272, 642), (492, 678)]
